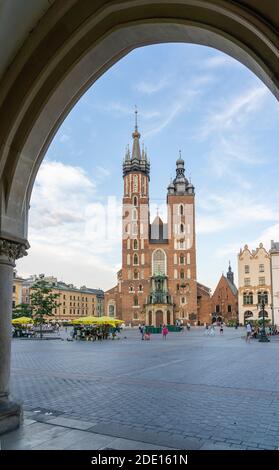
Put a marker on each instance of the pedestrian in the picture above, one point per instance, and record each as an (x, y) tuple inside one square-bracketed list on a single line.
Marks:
[(206, 330), (221, 329), (248, 332), (142, 330), (212, 330), (165, 332)]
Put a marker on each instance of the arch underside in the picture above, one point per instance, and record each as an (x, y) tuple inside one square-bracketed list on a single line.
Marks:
[(76, 46)]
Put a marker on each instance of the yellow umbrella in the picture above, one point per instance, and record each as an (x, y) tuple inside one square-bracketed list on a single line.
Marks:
[(110, 319), (85, 321), (22, 321)]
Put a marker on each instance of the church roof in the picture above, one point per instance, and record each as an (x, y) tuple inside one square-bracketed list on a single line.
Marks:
[(158, 231)]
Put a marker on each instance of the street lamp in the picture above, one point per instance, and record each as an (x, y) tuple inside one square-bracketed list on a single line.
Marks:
[(263, 337)]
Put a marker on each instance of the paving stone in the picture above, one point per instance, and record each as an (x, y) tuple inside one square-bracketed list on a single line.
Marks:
[(152, 394)]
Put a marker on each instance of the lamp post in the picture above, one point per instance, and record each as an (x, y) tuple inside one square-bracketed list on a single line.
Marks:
[(263, 337)]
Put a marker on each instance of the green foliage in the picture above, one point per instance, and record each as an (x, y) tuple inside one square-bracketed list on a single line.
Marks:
[(22, 310), (43, 301)]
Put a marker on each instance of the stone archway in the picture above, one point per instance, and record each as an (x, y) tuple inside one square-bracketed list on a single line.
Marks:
[(73, 44)]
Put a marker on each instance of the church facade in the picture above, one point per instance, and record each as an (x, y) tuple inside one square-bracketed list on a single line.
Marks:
[(157, 283)]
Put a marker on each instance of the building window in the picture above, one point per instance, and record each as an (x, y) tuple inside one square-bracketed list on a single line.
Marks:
[(183, 300), (64, 296), (111, 310), (13, 304), (229, 309), (248, 314), (247, 269), (263, 296), (261, 268), (136, 259), (181, 209), (136, 245), (135, 316), (136, 275), (135, 201), (14, 289), (181, 259), (247, 281), (159, 262), (131, 288), (181, 228), (182, 274), (248, 298), (177, 287), (140, 288), (64, 311), (182, 244), (261, 281), (136, 301), (217, 309)]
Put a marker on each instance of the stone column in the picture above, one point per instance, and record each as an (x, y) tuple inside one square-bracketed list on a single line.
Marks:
[(10, 411), (165, 317)]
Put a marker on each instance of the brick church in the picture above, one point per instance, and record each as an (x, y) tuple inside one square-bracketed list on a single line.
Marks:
[(157, 283)]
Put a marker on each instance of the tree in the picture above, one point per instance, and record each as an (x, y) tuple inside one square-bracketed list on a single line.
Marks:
[(43, 301), (22, 310)]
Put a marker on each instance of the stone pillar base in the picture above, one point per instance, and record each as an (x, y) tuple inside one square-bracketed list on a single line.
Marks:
[(11, 416)]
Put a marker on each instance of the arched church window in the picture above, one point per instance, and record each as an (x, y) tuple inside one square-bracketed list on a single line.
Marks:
[(131, 288), (136, 259), (136, 246), (135, 200), (140, 288), (181, 209), (111, 310), (136, 301), (181, 228), (159, 262)]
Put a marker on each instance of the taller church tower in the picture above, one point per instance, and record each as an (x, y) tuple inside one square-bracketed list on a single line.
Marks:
[(135, 229)]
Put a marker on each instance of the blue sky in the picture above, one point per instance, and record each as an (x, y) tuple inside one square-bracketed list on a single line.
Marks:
[(193, 98)]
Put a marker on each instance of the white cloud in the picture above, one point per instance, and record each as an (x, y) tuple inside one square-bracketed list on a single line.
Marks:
[(219, 61), (63, 138), (233, 112), (219, 213), (70, 233), (149, 88)]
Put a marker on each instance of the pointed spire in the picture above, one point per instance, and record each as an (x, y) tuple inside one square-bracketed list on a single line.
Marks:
[(127, 154), (136, 137), (230, 275)]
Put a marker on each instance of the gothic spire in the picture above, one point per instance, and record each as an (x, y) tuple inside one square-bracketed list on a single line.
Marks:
[(137, 161), (136, 136), (230, 275)]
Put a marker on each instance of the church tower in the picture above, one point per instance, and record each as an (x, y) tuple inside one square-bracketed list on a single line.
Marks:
[(136, 170), (182, 239)]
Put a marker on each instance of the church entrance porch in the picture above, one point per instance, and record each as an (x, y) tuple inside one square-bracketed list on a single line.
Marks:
[(158, 315), (159, 318)]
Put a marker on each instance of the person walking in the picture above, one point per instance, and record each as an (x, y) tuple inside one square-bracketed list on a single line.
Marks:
[(165, 332), (248, 332), (142, 330), (221, 329)]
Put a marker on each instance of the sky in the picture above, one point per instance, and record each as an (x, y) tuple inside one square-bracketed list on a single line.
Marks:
[(189, 98)]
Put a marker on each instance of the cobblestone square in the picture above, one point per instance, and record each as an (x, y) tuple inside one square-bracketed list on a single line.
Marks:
[(189, 392)]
